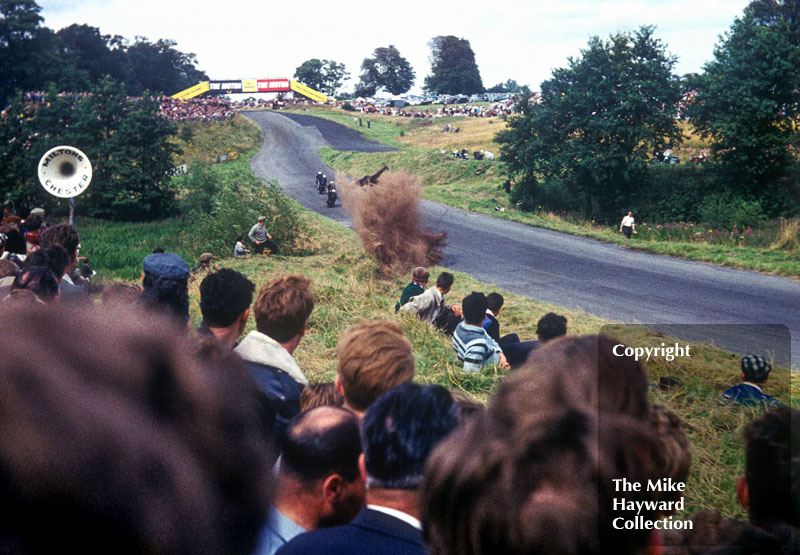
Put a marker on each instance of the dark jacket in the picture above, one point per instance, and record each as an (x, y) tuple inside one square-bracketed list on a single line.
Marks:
[(411, 290), (371, 532)]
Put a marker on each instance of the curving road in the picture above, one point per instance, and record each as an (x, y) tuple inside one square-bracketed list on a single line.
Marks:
[(609, 281)]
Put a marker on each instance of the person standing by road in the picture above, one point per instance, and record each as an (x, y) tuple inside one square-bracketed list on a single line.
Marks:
[(627, 225), (261, 238)]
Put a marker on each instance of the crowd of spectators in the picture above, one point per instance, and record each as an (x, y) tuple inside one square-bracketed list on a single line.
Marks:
[(123, 430), (462, 110)]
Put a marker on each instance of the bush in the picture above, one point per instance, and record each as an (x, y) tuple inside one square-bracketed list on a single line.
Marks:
[(729, 212), (347, 107), (197, 188)]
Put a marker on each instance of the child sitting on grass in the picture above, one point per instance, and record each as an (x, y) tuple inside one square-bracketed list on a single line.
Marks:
[(473, 345)]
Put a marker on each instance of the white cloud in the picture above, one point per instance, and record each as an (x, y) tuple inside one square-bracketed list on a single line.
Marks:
[(516, 39)]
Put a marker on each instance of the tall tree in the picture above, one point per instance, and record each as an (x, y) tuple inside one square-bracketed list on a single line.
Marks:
[(597, 121), (453, 67), (386, 70), (748, 102), (324, 75), (19, 28), (160, 68)]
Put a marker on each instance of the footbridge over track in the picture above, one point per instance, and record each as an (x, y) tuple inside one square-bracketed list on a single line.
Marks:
[(245, 86)]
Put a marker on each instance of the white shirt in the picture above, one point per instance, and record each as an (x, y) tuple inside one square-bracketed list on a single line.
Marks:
[(627, 221), (405, 517)]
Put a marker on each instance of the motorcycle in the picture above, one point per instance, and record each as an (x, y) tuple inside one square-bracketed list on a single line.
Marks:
[(332, 196)]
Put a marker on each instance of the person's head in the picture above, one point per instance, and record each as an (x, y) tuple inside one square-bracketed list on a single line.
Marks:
[(372, 357), (240, 239), (54, 257), (116, 437), (120, 294), (261, 220), (225, 298), (320, 395), (474, 308), (673, 458), (630, 213), (164, 286), (15, 240), (543, 486), (205, 258), (420, 275), (8, 269), (64, 235), (401, 429), (494, 302), (283, 307), (770, 488), (39, 280), (755, 369), (444, 282), (551, 325), (319, 465)]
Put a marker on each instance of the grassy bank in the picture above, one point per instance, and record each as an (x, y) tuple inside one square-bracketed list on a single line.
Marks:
[(453, 182), (346, 290)]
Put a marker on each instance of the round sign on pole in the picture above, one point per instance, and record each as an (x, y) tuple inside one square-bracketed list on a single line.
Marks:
[(65, 171)]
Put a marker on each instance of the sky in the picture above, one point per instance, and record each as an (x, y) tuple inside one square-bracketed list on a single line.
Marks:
[(522, 40)]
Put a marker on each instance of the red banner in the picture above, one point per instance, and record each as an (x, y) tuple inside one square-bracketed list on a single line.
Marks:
[(273, 85)]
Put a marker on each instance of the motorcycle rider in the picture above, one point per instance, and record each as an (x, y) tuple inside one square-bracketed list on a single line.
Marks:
[(332, 196)]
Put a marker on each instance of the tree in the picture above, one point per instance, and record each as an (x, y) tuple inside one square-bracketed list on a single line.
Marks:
[(160, 68), (510, 86), (453, 67), (596, 123), (322, 75), (19, 28), (748, 102), (386, 70)]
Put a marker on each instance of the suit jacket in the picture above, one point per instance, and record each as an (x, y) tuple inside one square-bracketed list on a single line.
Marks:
[(492, 326), (371, 532)]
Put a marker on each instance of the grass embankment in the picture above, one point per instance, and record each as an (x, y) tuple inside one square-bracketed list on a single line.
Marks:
[(347, 290), (453, 182), (204, 141)]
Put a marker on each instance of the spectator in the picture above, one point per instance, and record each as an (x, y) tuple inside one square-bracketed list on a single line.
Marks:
[(472, 344), (430, 305), (550, 326), (54, 257), (165, 286), (66, 236), (282, 309), (320, 395), (239, 251), (399, 431), (40, 281), (372, 357), (516, 351), (419, 279), (225, 298), (124, 441), (755, 371), (14, 248), (261, 238), (204, 263), (319, 483)]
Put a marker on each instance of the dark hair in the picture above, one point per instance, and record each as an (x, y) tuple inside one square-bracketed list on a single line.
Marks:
[(494, 302), (445, 280), (240, 238), (158, 250), (38, 279), (224, 296), (15, 240), (772, 466), (400, 430), (64, 235), (118, 438), (8, 268), (54, 257), (165, 296), (551, 325), (320, 395), (321, 441), (474, 308)]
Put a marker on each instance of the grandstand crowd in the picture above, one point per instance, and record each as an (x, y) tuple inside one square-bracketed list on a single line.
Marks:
[(125, 431)]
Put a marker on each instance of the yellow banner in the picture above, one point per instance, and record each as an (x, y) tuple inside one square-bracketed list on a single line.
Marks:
[(307, 91), (191, 92), (249, 85)]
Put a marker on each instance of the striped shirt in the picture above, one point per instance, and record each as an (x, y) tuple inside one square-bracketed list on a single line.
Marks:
[(474, 347)]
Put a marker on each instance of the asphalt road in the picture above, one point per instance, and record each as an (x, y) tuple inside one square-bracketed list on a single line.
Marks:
[(609, 281)]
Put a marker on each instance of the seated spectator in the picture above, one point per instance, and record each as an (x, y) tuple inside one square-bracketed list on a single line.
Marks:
[(319, 483), (755, 371), (66, 236), (372, 357), (281, 311), (550, 326), (516, 351), (399, 431), (429, 306), (472, 344), (204, 263), (40, 281), (261, 238), (225, 298), (54, 257), (320, 395), (419, 279), (165, 287), (240, 251), (122, 442)]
